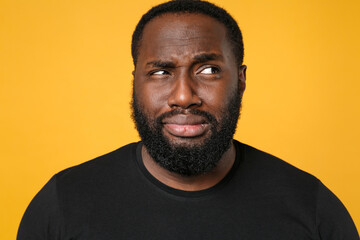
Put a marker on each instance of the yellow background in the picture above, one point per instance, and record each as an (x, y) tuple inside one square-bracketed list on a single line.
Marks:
[(65, 87)]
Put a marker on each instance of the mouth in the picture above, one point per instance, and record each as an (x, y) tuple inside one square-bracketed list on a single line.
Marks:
[(186, 126)]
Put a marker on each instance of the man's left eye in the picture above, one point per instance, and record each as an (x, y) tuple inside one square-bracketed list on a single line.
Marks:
[(210, 70)]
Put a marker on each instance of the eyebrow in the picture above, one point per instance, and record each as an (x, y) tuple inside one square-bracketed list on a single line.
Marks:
[(207, 57), (198, 59), (161, 64)]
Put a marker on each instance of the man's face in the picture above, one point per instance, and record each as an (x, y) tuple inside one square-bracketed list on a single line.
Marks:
[(187, 91)]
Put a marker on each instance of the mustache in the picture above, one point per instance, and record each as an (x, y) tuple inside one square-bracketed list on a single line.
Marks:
[(209, 117)]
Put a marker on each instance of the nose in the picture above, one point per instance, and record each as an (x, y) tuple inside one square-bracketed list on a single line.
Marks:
[(184, 93)]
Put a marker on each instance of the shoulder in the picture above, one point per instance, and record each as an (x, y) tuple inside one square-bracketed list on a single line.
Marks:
[(93, 178), (265, 176), (70, 194), (266, 166), (100, 166), (271, 179), (81, 187)]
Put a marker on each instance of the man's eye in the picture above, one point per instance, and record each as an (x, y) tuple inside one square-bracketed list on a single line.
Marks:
[(160, 72), (210, 70)]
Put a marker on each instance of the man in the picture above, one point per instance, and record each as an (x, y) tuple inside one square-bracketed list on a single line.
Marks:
[(187, 179)]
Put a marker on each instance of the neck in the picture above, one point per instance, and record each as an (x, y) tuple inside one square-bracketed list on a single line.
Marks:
[(190, 183)]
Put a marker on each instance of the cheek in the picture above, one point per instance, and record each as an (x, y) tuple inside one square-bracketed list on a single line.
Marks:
[(151, 98), (216, 97)]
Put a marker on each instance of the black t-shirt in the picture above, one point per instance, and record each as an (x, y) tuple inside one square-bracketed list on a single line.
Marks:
[(115, 197)]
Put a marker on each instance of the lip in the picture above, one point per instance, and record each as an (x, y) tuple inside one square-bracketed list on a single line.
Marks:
[(186, 126)]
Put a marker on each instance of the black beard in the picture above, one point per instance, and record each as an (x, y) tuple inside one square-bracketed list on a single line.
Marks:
[(188, 160)]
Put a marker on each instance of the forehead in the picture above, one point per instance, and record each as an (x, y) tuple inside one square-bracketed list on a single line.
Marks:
[(183, 33)]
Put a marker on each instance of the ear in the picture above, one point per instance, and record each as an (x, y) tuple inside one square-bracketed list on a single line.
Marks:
[(242, 78)]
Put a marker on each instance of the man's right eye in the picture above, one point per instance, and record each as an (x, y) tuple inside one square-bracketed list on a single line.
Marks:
[(160, 72)]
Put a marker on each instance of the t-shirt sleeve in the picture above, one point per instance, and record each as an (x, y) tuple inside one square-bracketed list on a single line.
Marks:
[(333, 220), (42, 218)]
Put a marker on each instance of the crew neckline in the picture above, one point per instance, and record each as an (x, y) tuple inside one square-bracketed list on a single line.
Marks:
[(190, 194)]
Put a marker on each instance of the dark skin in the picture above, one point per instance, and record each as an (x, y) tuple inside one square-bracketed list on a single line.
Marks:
[(186, 61)]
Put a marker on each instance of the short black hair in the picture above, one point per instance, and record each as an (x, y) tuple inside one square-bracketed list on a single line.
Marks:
[(191, 6)]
